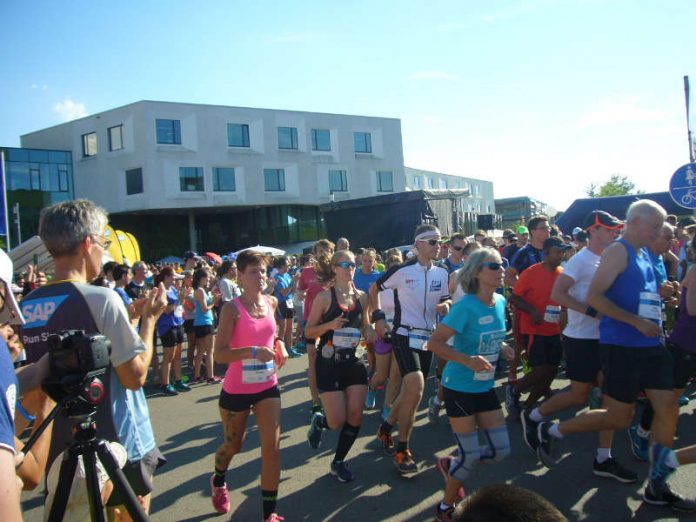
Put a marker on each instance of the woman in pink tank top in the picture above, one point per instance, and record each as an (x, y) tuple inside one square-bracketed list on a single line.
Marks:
[(246, 340)]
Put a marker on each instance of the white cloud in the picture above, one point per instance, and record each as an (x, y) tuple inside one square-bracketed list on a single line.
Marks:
[(434, 75), (619, 111), (70, 110)]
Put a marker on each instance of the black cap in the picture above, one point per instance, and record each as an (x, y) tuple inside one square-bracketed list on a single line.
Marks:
[(557, 242), (190, 255), (599, 218), (688, 221)]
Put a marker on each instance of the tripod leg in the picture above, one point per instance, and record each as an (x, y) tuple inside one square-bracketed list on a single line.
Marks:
[(65, 481), (120, 483), (96, 508)]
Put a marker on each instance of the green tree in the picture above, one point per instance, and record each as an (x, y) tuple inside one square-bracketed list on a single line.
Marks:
[(616, 186)]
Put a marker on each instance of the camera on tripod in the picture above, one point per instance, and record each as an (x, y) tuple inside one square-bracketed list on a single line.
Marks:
[(77, 360)]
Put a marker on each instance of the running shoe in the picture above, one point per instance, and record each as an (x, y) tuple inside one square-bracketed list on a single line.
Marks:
[(169, 390), (314, 433), (512, 402), (221, 497), (404, 462), (316, 408), (443, 465), (293, 353), (684, 399), (273, 518), (529, 430), (198, 380), (386, 441), (182, 386), (444, 516), (214, 380), (433, 410), (612, 469), (341, 472), (370, 399), (385, 413), (547, 451), (639, 445), (664, 495), (595, 399)]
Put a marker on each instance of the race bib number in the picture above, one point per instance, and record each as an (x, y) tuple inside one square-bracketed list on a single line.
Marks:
[(179, 312), (489, 347), (650, 306), (346, 338), (418, 339), (257, 372), (552, 314), (488, 375), (289, 304)]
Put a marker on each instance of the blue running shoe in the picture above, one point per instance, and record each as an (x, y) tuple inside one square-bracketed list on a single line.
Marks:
[(370, 399), (639, 445)]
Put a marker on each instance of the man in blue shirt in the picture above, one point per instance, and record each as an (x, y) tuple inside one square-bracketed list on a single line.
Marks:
[(367, 274)]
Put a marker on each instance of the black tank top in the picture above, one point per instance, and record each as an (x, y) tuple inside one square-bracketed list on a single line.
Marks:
[(354, 316)]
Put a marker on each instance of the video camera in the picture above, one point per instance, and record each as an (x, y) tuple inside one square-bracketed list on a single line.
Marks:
[(77, 360)]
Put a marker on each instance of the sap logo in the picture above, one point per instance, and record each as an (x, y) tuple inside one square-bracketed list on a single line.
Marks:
[(436, 285), (410, 281), (37, 312), (486, 319)]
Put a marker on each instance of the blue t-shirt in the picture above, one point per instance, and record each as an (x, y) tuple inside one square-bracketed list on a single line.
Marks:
[(168, 321), (126, 298), (283, 281), (480, 330), (8, 385), (364, 281)]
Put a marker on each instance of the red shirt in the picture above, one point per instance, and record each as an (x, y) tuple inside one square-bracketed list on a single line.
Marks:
[(534, 286), (308, 283)]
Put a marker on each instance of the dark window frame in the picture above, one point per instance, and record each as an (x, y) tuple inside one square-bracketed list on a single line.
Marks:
[(280, 180), (86, 145), (380, 187), (174, 131), (366, 142), (199, 180), (120, 133), (315, 142), (245, 141), (130, 180), (343, 181), (216, 179), (293, 138)]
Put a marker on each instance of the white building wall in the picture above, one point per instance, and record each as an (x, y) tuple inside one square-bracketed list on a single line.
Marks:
[(480, 200), (204, 144)]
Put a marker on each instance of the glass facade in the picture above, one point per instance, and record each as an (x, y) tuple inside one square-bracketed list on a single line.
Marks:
[(35, 179)]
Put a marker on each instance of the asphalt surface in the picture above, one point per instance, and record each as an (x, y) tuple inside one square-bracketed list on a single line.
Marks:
[(188, 431)]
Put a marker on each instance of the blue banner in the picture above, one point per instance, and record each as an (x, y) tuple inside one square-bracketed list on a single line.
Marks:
[(3, 201)]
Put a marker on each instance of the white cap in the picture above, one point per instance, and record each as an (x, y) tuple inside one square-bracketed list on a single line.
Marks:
[(577, 230), (10, 312), (77, 508)]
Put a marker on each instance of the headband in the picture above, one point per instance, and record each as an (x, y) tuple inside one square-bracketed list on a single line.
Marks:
[(429, 234)]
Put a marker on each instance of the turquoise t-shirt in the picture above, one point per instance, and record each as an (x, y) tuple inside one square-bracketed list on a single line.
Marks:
[(479, 331)]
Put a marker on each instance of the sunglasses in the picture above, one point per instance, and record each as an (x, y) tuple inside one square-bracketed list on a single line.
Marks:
[(457, 248), (431, 242), (492, 265), (346, 264), (106, 242)]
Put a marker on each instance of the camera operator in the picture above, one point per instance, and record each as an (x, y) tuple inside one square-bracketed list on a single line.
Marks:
[(72, 231)]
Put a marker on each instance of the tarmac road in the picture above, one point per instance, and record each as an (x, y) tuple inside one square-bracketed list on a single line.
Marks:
[(188, 431)]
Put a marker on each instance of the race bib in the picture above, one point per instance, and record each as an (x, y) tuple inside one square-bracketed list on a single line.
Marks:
[(488, 375), (289, 304), (489, 347), (346, 338), (418, 339), (650, 306), (552, 314), (179, 312), (257, 372)]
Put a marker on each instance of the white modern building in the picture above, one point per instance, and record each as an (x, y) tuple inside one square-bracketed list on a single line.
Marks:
[(182, 175), (480, 200)]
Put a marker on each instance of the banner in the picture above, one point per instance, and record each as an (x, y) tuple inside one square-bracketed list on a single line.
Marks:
[(4, 226)]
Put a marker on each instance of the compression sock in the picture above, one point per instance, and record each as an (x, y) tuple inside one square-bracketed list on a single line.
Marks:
[(219, 478), (269, 499), (386, 428), (345, 441), (663, 462), (401, 446)]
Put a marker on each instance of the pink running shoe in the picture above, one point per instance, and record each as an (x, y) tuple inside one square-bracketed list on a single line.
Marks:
[(221, 497), (443, 464), (274, 518)]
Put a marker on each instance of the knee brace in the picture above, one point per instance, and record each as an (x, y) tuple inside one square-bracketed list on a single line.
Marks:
[(498, 444), (469, 456)]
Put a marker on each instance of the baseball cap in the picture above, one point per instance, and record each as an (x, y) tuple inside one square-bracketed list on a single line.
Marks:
[(555, 241), (522, 230), (577, 230), (687, 222), (599, 218), (189, 255), (11, 312)]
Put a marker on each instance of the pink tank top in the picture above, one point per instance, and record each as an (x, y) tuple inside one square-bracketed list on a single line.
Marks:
[(251, 375)]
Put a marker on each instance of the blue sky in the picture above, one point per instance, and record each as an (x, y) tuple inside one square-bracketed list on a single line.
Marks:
[(540, 97)]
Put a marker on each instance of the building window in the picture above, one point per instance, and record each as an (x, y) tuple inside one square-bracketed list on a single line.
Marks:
[(89, 144), (363, 142), (417, 182), (191, 179), (34, 178), (116, 137), (385, 183), (169, 132), (237, 135), (224, 180), (274, 180), (287, 138), (63, 185), (431, 183), (443, 184), (321, 139), (134, 181), (338, 181)]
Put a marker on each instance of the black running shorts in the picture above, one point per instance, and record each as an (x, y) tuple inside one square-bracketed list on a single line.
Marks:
[(629, 370), (583, 361), (244, 401), (408, 359), (546, 350), (464, 404)]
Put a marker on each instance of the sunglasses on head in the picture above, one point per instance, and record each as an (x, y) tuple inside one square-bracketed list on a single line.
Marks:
[(492, 265), (346, 264), (431, 242)]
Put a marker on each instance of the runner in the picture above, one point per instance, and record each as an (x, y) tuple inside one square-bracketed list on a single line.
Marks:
[(309, 285), (624, 291), (203, 325), (581, 343), (541, 325), (339, 318), (477, 323), (246, 341), (186, 298), (284, 293), (455, 260), (421, 292)]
